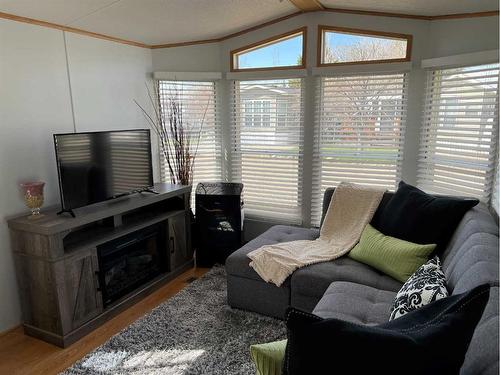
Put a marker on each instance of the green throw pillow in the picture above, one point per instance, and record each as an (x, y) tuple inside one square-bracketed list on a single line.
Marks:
[(394, 257), (268, 358)]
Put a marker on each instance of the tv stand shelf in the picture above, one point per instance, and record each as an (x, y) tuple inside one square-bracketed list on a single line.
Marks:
[(96, 236), (56, 259)]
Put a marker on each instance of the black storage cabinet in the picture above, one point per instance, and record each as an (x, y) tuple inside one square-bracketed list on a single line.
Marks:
[(219, 221)]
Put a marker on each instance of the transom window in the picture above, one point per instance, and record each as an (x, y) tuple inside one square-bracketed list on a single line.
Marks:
[(340, 45), (279, 52)]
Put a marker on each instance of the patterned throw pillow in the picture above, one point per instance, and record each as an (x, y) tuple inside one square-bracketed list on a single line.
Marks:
[(426, 285)]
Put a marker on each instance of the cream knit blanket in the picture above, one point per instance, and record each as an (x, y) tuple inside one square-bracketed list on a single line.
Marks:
[(351, 208)]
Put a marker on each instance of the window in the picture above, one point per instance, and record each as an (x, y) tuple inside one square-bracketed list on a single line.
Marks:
[(340, 45), (199, 110), (257, 113), (460, 131), (283, 51), (267, 147), (130, 162), (359, 132)]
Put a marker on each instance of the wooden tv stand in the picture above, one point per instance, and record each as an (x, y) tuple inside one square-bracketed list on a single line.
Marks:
[(56, 259)]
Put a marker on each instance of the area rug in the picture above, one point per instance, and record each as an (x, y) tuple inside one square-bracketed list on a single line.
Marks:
[(194, 332)]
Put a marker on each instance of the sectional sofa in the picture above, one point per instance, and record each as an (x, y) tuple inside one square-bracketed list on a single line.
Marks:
[(349, 290)]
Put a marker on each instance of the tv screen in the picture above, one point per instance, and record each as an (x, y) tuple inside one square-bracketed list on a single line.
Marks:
[(94, 167)]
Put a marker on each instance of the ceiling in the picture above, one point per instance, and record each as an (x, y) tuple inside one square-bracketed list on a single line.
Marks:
[(172, 21)]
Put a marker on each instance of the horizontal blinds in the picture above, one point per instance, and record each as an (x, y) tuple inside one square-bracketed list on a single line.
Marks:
[(359, 132), (199, 111), (267, 138), (131, 160), (460, 131)]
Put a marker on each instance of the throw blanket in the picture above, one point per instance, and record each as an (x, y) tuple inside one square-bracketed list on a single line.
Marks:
[(351, 208)]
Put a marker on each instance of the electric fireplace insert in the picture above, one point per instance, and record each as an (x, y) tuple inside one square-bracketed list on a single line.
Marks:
[(130, 261)]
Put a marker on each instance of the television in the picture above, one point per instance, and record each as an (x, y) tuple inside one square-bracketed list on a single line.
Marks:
[(97, 166)]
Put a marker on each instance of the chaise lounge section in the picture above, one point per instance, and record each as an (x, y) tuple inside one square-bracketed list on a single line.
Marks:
[(352, 291)]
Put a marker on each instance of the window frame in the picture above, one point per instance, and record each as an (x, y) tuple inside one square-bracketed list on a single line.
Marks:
[(267, 42), (319, 164), (428, 145), (322, 29), (240, 151), (217, 128)]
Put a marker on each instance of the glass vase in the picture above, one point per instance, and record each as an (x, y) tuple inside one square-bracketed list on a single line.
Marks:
[(33, 197)]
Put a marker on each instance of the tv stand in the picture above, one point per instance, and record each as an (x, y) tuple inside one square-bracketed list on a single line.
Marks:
[(71, 212), (57, 259), (149, 190)]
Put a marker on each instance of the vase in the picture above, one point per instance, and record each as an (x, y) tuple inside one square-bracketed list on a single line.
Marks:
[(33, 197)]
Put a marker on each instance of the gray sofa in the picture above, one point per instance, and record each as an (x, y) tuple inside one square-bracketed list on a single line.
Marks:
[(355, 292)]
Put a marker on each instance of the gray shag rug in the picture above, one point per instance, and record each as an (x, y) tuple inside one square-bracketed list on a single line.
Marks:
[(194, 332)]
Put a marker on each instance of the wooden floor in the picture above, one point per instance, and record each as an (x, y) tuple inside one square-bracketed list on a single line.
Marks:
[(21, 354)]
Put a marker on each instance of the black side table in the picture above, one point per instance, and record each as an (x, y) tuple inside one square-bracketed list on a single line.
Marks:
[(219, 221)]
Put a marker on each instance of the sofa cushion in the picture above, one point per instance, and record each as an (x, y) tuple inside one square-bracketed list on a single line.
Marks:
[(416, 216), (392, 256), (355, 303), (430, 340), (313, 280), (472, 255), (268, 358), (426, 285), (238, 263), (482, 355), (327, 197)]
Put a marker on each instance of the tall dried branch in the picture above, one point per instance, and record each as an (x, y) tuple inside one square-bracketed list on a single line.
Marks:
[(179, 139)]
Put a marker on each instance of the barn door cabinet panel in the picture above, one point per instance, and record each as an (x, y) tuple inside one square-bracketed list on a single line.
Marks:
[(179, 253), (79, 294)]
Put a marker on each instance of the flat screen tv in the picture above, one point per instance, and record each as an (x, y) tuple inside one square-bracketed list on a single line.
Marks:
[(94, 167)]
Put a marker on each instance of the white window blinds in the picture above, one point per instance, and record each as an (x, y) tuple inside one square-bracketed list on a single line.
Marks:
[(267, 134), (198, 101), (460, 131), (359, 132)]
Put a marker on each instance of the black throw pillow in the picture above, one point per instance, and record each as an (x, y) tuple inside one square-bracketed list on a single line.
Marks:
[(418, 217), (430, 340)]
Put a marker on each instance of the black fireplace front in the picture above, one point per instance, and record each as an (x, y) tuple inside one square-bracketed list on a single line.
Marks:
[(130, 261)]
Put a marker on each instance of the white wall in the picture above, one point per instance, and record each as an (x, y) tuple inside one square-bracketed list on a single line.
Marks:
[(105, 79), (454, 37), (195, 58), (35, 102)]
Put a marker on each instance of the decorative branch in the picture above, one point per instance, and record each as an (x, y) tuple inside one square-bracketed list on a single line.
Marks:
[(179, 140)]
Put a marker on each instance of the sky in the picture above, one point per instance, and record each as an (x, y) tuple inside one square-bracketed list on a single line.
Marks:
[(280, 54), (287, 52)]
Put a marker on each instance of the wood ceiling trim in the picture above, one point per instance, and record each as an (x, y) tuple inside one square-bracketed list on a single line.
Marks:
[(379, 14), (307, 5), (56, 26), (414, 16), (182, 44), (466, 15)]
